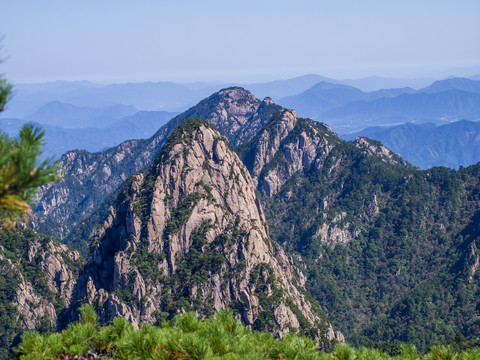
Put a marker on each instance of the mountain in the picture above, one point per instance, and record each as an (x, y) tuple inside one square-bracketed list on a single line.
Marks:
[(389, 251), (166, 96), (147, 96), (282, 88), (427, 145), (30, 97), (320, 98), (440, 107), (374, 83), (89, 178), (150, 96), (387, 93), (456, 83), (370, 231), (37, 280), (70, 116), (59, 140), (347, 109), (190, 235), (325, 96)]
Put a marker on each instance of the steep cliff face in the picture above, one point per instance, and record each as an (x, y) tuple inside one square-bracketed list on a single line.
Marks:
[(191, 235), (286, 145), (38, 276), (88, 178)]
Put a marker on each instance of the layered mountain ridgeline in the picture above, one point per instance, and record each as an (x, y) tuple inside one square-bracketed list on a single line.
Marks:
[(63, 115), (88, 178), (427, 145), (347, 109), (190, 235), (445, 106), (325, 96), (97, 137), (149, 96), (37, 279), (370, 233)]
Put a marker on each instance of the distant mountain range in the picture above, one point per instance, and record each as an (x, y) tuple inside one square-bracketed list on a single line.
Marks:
[(160, 96), (83, 115), (280, 88), (325, 96), (348, 109), (64, 115), (427, 145), (168, 96), (59, 140)]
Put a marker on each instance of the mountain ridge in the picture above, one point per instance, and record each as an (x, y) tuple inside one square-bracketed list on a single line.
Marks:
[(426, 145)]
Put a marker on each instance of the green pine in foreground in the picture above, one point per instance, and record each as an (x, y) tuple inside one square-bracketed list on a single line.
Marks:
[(219, 337)]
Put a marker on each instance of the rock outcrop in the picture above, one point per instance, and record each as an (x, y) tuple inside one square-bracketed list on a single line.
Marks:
[(88, 178), (191, 235), (286, 145), (374, 147), (38, 276)]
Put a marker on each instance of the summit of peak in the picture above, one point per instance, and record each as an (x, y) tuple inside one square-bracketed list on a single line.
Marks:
[(235, 91), (268, 100)]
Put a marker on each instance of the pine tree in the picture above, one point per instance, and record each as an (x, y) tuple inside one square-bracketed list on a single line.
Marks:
[(21, 173), (6, 91)]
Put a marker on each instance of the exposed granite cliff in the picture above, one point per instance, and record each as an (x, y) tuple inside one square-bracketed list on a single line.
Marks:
[(286, 145), (88, 178), (38, 276), (191, 235)]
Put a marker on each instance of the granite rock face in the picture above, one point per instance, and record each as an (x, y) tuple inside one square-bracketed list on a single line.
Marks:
[(286, 145), (38, 276), (190, 234), (89, 177), (375, 148)]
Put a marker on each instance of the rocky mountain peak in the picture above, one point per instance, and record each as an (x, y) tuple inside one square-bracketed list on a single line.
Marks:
[(234, 111), (268, 101), (191, 235), (38, 276), (374, 147), (89, 178)]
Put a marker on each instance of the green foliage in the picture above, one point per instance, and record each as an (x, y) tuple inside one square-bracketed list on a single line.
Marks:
[(21, 172), (220, 336), (404, 275), (6, 92)]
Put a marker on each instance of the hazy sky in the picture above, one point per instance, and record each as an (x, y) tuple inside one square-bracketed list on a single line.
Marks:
[(244, 41)]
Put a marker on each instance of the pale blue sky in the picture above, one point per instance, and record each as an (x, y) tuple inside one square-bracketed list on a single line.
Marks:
[(244, 41)]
